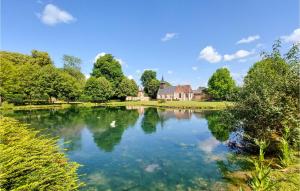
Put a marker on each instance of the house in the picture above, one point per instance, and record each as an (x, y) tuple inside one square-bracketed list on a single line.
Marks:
[(200, 94), (140, 96), (179, 92)]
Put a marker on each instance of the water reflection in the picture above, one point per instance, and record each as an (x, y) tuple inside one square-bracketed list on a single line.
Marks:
[(145, 149)]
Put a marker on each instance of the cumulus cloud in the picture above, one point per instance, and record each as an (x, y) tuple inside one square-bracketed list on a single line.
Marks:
[(210, 54), (98, 56), (53, 15), (294, 37), (130, 77), (194, 68), (169, 36), (248, 39), (237, 55), (170, 72), (118, 59)]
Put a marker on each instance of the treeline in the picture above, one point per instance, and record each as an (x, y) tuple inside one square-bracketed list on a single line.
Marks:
[(35, 79)]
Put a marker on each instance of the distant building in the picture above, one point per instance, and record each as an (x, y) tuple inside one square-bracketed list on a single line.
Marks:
[(179, 92), (200, 94), (140, 96)]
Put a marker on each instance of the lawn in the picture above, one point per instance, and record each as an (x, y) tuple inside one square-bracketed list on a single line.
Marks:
[(174, 104)]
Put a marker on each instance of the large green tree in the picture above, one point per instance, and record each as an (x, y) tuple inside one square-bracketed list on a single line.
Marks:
[(150, 83), (221, 85), (72, 65), (127, 87), (98, 89), (152, 88), (108, 67)]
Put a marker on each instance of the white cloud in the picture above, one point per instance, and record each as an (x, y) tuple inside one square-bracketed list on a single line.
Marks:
[(170, 72), (118, 59), (194, 68), (155, 69), (294, 37), (248, 39), (53, 15), (210, 54), (138, 71), (237, 55), (98, 56), (130, 77), (169, 36)]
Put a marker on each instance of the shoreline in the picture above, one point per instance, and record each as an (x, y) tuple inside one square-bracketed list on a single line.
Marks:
[(205, 105)]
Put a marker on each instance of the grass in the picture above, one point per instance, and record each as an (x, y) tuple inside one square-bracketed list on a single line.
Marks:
[(168, 104), (174, 104)]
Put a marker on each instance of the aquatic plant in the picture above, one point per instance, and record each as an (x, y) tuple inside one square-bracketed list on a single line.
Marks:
[(29, 161)]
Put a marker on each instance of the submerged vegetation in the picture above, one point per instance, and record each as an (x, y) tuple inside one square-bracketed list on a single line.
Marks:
[(29, 161)]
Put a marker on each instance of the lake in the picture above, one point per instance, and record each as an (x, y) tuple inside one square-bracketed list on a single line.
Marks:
[(138, 148)]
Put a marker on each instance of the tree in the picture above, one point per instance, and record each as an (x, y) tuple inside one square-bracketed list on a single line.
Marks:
[(33, 162), (152, 88), (72, 67), (98, 89), (146, 77), (41, 58), (108, 67), (221, 85), (269, 100), (71, 62), (127, 87)]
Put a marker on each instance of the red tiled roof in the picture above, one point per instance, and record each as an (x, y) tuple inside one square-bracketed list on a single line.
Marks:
[(183, 89)]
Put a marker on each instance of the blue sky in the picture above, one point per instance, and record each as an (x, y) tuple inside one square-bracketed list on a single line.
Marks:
[(185, 41)]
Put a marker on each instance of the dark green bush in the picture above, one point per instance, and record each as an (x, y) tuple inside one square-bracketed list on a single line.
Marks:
[(32, 162)]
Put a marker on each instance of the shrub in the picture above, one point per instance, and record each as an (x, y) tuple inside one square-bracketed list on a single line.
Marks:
[(286, 153), (5, 105), (29, 161)]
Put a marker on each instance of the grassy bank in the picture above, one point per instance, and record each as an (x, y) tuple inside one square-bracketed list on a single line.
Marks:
[(283, 178), (173, 104), (168, 104)]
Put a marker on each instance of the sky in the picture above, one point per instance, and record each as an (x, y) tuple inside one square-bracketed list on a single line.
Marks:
[(183, 41)]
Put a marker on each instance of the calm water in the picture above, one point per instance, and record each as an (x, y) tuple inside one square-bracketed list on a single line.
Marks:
[(139, 148)]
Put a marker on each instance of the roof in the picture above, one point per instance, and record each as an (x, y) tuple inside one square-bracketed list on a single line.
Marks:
[(175, 89), (183, 89), (167, 90)]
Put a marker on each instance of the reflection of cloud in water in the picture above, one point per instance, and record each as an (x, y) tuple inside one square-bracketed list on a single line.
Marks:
[(97, 178), (208, 145), (152, 167)]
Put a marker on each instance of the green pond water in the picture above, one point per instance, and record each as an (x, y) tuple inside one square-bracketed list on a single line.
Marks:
[(139, 148)]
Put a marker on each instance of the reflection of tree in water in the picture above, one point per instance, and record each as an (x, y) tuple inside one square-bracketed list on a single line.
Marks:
[(150, 120), (217, 125), (99, 120)]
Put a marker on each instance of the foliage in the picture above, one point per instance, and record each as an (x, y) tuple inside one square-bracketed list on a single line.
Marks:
[(32, 162), (260, 178), (150, 120), (150, 83), (40, 58), (221, 85), (152, 88), (26, 78), (127, 87), (98, 89), (72, 67), (269, 99), (108, 67)]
